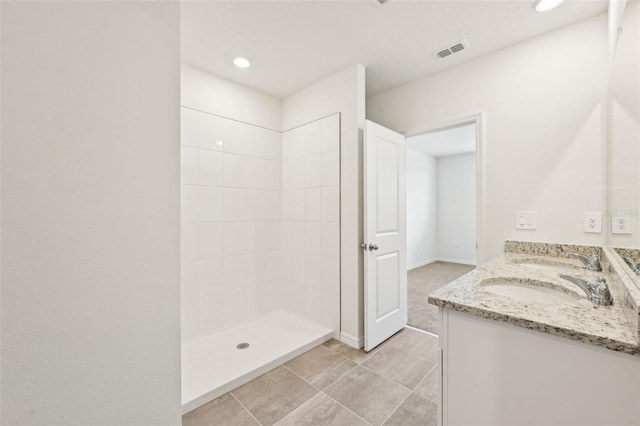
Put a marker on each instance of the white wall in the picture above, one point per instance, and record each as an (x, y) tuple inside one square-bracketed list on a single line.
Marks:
[(456, 203), (421, 209), (341, 92), (311, 221), (543, 133), (231, 197), (624, 130), (90, 213)]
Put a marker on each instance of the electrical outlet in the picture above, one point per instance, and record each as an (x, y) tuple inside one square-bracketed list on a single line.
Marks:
[(593, 222), (620, 223), (526, 220)]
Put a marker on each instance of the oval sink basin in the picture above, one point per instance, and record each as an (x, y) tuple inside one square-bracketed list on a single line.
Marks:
[(532, 291)]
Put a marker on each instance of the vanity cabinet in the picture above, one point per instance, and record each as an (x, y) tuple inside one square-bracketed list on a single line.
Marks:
[(494, 373)]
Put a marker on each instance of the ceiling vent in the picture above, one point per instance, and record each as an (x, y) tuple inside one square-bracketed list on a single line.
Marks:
[(458, 47)]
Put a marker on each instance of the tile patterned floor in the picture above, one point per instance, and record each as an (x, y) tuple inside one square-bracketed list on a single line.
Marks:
[(334, 384)]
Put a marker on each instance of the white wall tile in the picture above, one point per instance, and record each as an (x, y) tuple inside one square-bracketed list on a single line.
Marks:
[(235, 171), (189, 280), (235, 306), (211, 134), (236, 204), (297, 143), (313, 171), (189, 318), (298, 298), (272, 174), (331, 168), (313, 205), (258, 301), (331, 311), (188, 165), (210, 276), (286, 205), (210, 313), (273, 145), (188, 242), (286, 175), (256, 140), (273, 266), (287, 146), (297, 236), (331, 240), (210, 240), (313, 138), (297, 173), (331, 133), (273, 235), (188, 127), (210, 165), (313, 238), (297, 204), (331, 275), (313, 304), (256, 268), (235, 239), (255, 169), (255, 204), (272, 205), (235, 272), (286, 266), (210, 204), (284, 295), (297, 267), (285, 242), (234, 134), (313, 271), (331, 204), (188, 204), (256, 236)]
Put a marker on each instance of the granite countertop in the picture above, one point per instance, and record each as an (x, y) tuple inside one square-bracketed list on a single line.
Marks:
[(607, 326)]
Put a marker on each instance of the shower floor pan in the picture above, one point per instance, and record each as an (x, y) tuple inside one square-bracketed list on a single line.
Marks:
[(212, 365)]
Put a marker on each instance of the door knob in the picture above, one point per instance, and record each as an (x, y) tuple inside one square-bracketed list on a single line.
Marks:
[(373, 247)]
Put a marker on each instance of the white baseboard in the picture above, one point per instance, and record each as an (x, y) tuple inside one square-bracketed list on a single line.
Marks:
[(461, 261), (354, 342), (424, 262)]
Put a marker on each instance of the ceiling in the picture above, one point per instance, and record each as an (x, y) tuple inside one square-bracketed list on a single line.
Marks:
[(293, 44), (452, 141)]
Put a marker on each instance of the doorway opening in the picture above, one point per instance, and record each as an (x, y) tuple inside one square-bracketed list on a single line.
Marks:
[(441, 215)]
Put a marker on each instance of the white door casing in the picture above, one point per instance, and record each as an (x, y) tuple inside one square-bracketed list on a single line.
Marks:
[(385, 289)]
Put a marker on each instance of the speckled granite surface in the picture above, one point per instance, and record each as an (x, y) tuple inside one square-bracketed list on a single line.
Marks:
[(610, 326)]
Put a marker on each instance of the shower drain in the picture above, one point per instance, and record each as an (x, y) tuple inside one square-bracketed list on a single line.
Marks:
[(243, 345)]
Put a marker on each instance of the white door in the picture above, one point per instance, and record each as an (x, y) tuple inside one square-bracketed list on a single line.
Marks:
[(385, 288)]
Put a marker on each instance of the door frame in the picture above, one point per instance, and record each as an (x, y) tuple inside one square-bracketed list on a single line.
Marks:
[(478, 120)]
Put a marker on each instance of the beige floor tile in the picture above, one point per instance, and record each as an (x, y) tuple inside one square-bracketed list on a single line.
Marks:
[(419, 344), (273, 395), (399, 366), (321, 410), (331, 343), (224, 411), (368, 394), (357, 355), (428, 387), (321, 366), (415, 411)]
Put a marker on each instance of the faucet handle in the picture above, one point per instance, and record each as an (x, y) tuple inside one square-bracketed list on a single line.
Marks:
[(601, 289)]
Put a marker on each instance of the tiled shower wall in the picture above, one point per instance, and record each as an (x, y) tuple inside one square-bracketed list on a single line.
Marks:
[(231, 222), (260, 222), (311, 221)]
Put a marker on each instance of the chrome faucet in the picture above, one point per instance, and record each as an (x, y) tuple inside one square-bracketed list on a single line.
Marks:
[(598, 292), (591, 263), (635, 267)]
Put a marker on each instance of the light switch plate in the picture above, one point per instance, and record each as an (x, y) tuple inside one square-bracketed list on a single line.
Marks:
[(526, 220), (593, 222), (621, 223)]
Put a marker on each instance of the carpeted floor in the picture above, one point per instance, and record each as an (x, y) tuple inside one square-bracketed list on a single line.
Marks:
[(422, 281)]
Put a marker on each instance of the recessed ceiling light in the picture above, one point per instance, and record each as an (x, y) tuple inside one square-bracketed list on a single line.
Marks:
[(546, 5), (241, 62)]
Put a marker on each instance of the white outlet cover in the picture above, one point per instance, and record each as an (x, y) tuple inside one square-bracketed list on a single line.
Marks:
[(526, 220), (593, 222), (621, 223)]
